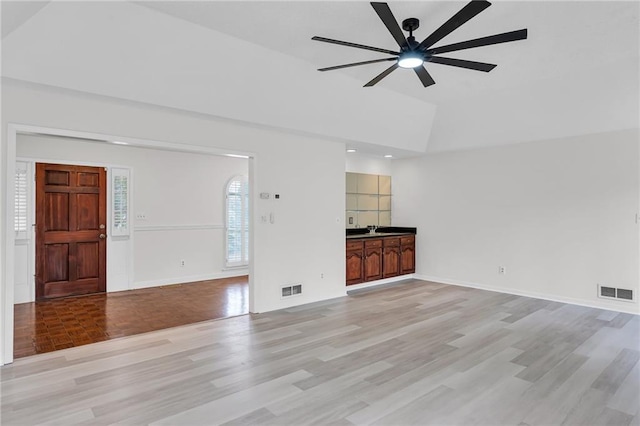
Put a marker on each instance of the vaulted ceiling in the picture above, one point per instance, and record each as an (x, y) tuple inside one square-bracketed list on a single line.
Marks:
[(255, 62)]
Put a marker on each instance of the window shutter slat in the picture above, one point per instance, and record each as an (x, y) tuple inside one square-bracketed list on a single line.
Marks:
[(21, 194), (237, 241)]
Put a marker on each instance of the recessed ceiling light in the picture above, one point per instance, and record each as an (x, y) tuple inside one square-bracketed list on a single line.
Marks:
[(388, 156), (120, 143), (351, 150)]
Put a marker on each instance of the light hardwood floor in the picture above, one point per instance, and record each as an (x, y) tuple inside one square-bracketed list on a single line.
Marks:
[(413, 353)]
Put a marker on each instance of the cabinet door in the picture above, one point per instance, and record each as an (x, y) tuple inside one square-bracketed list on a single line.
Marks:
[(355, 266), (408, 258), (372, 263), (391, 262)]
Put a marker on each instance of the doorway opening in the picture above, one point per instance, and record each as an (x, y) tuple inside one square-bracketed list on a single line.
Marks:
[(159, 212)]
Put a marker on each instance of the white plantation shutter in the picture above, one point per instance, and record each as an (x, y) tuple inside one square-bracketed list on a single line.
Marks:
[(120, 199), (237, 222), (20, 220)]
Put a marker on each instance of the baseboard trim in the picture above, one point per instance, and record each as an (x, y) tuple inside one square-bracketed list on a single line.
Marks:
[(190, 278), (552, 298), (377, 283)]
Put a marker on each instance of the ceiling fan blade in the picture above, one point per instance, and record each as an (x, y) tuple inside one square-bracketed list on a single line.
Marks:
[(424, 76), (382, 75), (337, 67), (483, 41), (359, 46), (478, 66), (466, 13), (383, 11)]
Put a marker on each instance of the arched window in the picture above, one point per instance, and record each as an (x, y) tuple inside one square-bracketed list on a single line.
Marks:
[(237, 222)]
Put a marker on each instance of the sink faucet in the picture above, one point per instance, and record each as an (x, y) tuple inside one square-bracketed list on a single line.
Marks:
[(372, 229)]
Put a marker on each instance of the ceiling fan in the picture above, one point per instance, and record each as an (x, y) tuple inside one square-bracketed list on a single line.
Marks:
[(414, 54)]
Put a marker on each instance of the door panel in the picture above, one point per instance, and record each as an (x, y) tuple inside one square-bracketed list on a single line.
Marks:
[(88, 179), (391, 262), (56, 211), (57, 177), (56, 262), (87, 212), (71, 213), (86, 254), (372, 264)]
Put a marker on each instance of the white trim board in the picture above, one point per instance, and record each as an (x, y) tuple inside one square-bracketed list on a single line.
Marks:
[(552, 298), (377, 283)]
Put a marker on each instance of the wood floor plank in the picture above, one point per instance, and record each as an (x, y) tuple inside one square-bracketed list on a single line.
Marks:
[(626, 397), (240, 403), (616, 372), (416, 353)]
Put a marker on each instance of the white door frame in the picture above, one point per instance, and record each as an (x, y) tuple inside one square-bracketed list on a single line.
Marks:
[(6, 281)]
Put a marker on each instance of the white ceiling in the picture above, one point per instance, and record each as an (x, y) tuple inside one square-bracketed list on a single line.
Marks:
[(576, 73)]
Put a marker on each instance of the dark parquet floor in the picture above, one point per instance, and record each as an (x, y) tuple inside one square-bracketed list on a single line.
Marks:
[(74, 321)]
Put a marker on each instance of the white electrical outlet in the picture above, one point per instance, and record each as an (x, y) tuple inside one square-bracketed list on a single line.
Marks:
[(182, 263), (502, 270)]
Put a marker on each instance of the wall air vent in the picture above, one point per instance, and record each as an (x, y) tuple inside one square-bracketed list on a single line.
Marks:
[(615, 293), (607, 292), (291, 290), (622, 293)]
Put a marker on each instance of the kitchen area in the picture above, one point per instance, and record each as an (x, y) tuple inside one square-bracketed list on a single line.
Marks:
[(375, 250)]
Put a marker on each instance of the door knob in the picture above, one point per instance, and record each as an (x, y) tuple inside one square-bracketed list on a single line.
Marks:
[(102, 236)]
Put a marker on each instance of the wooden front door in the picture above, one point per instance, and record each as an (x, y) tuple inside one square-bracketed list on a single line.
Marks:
[(71, 245)]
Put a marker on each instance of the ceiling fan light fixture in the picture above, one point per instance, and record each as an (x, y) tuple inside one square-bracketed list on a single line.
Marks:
[(411, 59)]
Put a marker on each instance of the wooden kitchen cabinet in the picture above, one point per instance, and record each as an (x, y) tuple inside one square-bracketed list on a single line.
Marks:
[(370, 259), (391, 260), (355, 261), (407, 254)]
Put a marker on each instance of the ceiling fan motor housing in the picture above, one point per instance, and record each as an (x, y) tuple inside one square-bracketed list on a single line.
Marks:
[(410, 24)]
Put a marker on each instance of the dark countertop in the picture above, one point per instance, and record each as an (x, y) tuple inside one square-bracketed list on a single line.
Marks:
[(383, 231), (378, 235)]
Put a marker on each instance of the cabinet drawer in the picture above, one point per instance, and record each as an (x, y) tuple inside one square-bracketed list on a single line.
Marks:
[(408, 240), (391, 242), (355, 244), (373, 243)]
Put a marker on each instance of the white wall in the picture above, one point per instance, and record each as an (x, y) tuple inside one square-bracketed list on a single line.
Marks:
[(361, 163), (559, 214), (174, 63), (307, 236), (174, 190)]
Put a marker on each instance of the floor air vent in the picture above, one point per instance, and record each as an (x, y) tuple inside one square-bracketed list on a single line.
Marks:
[(615, 293)]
